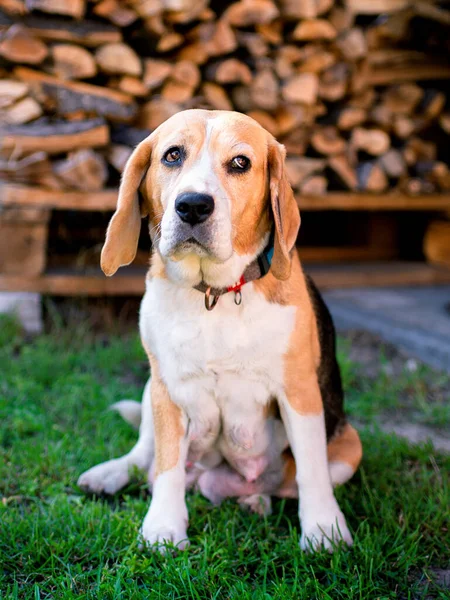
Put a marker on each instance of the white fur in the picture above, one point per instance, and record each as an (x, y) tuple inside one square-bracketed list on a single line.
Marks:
[(129, 410), (113, 475), (209, 359), (233, 354), (340, 472), (201, 177), (322, 521), (167, 517)]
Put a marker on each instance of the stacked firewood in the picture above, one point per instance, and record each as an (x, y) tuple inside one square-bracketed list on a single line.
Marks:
[(358, 99)]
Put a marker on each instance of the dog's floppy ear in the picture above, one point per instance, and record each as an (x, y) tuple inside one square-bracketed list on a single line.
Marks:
[(285, 211), (124, 228)]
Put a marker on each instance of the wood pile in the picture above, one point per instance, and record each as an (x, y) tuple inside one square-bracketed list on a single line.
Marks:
[(358, 99)]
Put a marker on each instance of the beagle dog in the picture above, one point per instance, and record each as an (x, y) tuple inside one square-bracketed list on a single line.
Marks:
[(244, 380)]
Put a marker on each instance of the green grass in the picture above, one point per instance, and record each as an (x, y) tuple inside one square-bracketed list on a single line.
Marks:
[(57, 543), (421, 395)]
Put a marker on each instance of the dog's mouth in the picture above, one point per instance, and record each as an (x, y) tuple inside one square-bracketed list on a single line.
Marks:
[(191, 246)]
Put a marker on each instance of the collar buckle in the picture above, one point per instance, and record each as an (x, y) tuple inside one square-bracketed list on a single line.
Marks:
[(210, 299)]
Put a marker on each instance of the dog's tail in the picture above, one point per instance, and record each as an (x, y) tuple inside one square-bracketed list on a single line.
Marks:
[(129, 410)]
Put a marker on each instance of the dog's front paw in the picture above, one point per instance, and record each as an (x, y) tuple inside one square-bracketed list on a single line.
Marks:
[(106, 478), (325, 532), (159, 529)]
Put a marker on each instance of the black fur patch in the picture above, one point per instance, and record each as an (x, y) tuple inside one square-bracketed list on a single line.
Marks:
[(328, 373)]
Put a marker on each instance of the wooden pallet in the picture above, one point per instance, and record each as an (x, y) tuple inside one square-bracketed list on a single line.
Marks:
[(21, 195), (24, 215), (131, 281)]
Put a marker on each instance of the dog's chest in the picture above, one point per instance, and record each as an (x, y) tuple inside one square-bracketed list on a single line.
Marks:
[(222, 352)]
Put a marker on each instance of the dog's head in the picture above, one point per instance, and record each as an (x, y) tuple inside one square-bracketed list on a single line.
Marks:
[(213, 184)]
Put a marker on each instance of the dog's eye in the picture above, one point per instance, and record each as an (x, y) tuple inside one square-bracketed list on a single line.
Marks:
[(240, 164), (173, 156)]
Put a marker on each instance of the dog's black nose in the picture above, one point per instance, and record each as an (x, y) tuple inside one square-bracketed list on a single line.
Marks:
[(194, 208)]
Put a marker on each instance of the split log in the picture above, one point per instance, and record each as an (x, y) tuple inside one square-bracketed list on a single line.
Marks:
[(341, 18), (296, 141), (317, 61), (230, 70), (444, 122), (350, 117), (264, 90), (301, 89), (299, 168), (289, 117), (55, 138), (314, 29), (327, 141), (439, 174), (85, 32), (222, 40), (285, 60), (433, 104), (23, 111), (183, 80), (70, 8), (11, 91), (216, 96), (352, 44), (115, 12), (304, 9), (403, 126), (344, 171), (20, 46), (316, 185), (31, 169), (416, 150), (402, 99), (375, 7), (334, 82), (271, 32), (169, 41), (254, 43), (393, 164), (118, 59), (372, 141), (364, 99), (382, 117), (155, 112), (13, 7), (72, 62), (250, 12), (71, 97), (265, 120), (241, 98), (118, 155), (156, 72), (82, 170), (371, 177), (133, 86)]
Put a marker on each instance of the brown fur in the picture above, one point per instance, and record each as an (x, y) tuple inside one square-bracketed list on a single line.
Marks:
[(168, 423), (346, 447)]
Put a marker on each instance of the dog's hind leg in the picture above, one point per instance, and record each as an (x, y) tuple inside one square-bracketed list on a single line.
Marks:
[(111, 476), (344, 454)]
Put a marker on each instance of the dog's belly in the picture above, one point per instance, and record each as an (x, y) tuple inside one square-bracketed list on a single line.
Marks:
[(222, 367)]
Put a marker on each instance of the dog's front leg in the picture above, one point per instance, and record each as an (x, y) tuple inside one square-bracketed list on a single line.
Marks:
[(321, 519), (167, 517)]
